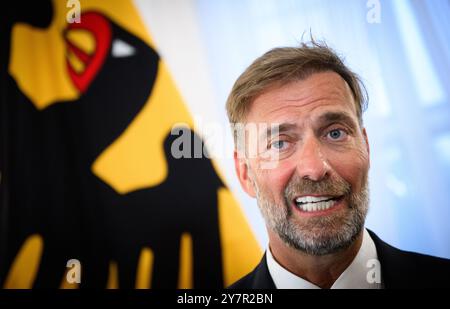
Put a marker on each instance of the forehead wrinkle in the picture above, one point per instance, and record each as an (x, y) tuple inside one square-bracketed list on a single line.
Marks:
[(332, 97), (289, 107), (290, 98)]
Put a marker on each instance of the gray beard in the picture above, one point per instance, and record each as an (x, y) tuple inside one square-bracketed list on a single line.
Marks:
[(317, 235)]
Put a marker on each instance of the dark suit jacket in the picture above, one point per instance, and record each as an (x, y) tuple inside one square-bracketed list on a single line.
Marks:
[(399, 269)]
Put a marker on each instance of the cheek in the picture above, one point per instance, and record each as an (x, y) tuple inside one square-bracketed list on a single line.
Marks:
[(352, 166), (274, 181)]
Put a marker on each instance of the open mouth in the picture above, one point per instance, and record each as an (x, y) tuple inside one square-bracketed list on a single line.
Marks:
[(309, 203)]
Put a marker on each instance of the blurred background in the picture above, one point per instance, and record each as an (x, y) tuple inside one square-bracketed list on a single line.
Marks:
[(156, 64), (401, 49)]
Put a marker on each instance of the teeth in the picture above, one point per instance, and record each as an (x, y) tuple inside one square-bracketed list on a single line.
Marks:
[(312, 199), (309, 207)]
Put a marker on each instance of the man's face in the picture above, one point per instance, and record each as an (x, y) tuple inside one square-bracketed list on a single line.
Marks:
[(315, 197)]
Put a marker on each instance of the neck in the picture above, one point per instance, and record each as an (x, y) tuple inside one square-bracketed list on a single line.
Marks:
[(323, 270)]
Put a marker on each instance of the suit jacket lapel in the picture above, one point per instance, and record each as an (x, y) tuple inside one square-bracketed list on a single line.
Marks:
[(262, 278), (395, 266)]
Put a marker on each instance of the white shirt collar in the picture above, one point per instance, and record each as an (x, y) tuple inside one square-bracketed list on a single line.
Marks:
[(354, 277)]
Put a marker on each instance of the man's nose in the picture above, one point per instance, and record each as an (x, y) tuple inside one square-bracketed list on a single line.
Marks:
[(312, 164)]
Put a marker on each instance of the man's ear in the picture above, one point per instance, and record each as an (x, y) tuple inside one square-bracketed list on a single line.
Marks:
[(242, 171), (366, 139)]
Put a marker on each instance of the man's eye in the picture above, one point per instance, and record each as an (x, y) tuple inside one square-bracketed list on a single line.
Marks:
[(278, 145), (337, 134)]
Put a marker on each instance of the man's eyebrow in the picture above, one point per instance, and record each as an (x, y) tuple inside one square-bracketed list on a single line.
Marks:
[(278, 128), (337, 117), (326, 118)]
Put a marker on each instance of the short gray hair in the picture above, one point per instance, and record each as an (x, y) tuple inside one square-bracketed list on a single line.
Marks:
[(287, 64)]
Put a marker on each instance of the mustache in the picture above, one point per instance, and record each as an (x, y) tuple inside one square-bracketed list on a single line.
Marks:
[(305, 186)]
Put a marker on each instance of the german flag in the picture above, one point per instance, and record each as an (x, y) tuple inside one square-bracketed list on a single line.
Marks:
[(91, 195)]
